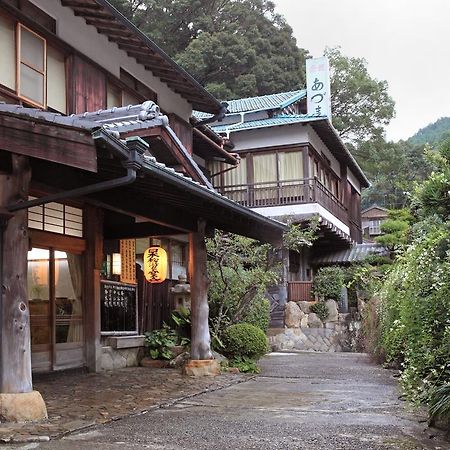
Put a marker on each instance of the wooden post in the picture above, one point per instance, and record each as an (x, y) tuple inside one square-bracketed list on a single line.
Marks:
[(15, 349), (93, 220), (200, 337)]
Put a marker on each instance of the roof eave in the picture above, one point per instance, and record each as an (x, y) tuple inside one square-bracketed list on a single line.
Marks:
[(203, 101)]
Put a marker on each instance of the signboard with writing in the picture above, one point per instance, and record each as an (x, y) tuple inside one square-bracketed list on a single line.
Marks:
[(318, 87), (118, 307)]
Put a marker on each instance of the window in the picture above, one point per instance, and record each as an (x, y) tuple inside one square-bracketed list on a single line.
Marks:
[(31, 66), (56, 218), (7, 54), (56, 80), (374, 226), (290, 166)]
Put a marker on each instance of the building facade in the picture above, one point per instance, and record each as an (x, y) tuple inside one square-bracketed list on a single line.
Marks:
[(292, 166), (99, 160)]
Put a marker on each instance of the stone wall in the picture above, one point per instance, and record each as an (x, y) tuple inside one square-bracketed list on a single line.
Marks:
[(112, 358), (305, 331), (121, 351)]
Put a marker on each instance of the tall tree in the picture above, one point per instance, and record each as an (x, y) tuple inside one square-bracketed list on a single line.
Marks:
[(361, 104), (235, 48)]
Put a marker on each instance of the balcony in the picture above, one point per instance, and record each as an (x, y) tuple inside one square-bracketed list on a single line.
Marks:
[(291, 192)]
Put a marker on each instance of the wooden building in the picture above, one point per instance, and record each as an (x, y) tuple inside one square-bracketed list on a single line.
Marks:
[(292, 166), (99, 160), (372, 218)]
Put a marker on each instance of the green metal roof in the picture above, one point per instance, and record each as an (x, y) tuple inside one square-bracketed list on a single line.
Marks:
[(285, 119), (260, 103), (356, 253)]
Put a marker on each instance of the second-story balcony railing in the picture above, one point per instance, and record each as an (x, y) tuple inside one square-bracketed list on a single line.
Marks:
[(290, 192)]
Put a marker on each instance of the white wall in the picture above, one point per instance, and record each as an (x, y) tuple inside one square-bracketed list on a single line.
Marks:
[(271, 136), (304, 209), (87, 40)]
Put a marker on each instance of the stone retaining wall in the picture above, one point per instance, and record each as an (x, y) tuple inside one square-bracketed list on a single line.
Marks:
[(305, 331)]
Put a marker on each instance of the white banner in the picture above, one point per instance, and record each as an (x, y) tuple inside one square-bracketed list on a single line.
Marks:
[(318, 87)]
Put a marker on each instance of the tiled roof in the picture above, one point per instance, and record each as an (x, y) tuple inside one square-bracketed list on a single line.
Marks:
[(261, 103), (152, 168), (356, 253), (264, 123)]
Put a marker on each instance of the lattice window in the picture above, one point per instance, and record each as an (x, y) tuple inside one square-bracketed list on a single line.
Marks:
[(56, 218)]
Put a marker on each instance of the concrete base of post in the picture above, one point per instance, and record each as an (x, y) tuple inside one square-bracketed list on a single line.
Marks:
[(202, 367), (22, 407)]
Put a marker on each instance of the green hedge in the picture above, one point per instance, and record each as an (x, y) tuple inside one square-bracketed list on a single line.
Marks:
[(244, 340)]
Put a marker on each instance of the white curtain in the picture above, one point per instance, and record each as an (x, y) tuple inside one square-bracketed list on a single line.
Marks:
[(75, 263)]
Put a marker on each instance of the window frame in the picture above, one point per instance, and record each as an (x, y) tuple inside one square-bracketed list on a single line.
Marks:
[(19, 27)]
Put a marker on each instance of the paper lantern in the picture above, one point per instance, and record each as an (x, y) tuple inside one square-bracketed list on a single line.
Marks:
[(155, 265), (116, 263)]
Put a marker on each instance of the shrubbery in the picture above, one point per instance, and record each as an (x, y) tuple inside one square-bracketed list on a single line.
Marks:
[(328, 283), (415, 311), (244, 341), (321, 309)]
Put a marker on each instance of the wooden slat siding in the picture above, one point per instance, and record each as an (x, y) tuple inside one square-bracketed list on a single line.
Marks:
[(25, 136), (299, 291), (182, 129), (89, 87), (157, 304)]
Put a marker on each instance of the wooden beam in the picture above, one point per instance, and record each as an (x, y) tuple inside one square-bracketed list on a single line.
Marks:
[(200, 336), (49, 142), (131, 203), (15, 348), (109, 32), (92, 14), (105, 23), (80, 4), (138, 230)]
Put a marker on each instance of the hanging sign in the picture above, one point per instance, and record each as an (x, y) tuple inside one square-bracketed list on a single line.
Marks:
[(155, 264), (318, 87)]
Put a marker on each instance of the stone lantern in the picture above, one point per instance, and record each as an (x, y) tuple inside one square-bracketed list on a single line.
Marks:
[(182, 293)]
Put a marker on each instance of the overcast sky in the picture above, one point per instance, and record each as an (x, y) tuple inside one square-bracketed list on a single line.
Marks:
[(405, 42)]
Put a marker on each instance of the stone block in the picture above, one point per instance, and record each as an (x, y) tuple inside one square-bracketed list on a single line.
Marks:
[(119, 342), (22, 407), (314, 321), (304, 306), (201, 368), (333, 313), (304, 321), (292, 315)]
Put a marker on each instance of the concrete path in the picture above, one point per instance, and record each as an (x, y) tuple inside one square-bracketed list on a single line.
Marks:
[(299, 401)]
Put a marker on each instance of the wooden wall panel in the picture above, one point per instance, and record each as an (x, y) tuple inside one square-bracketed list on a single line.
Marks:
[(88, 87), (183, 130)]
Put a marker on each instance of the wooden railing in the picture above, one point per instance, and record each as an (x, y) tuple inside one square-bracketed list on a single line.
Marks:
[(299, 291), (291, 192)]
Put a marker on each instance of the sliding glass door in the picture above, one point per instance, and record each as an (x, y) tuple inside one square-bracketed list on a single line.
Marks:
[(55, 293)]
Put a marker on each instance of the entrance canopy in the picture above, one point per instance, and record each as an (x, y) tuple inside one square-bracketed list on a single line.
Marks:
[(72, 152)]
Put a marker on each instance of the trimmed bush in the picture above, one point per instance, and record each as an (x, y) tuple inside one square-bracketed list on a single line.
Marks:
[(244, 340), (328, 282)]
